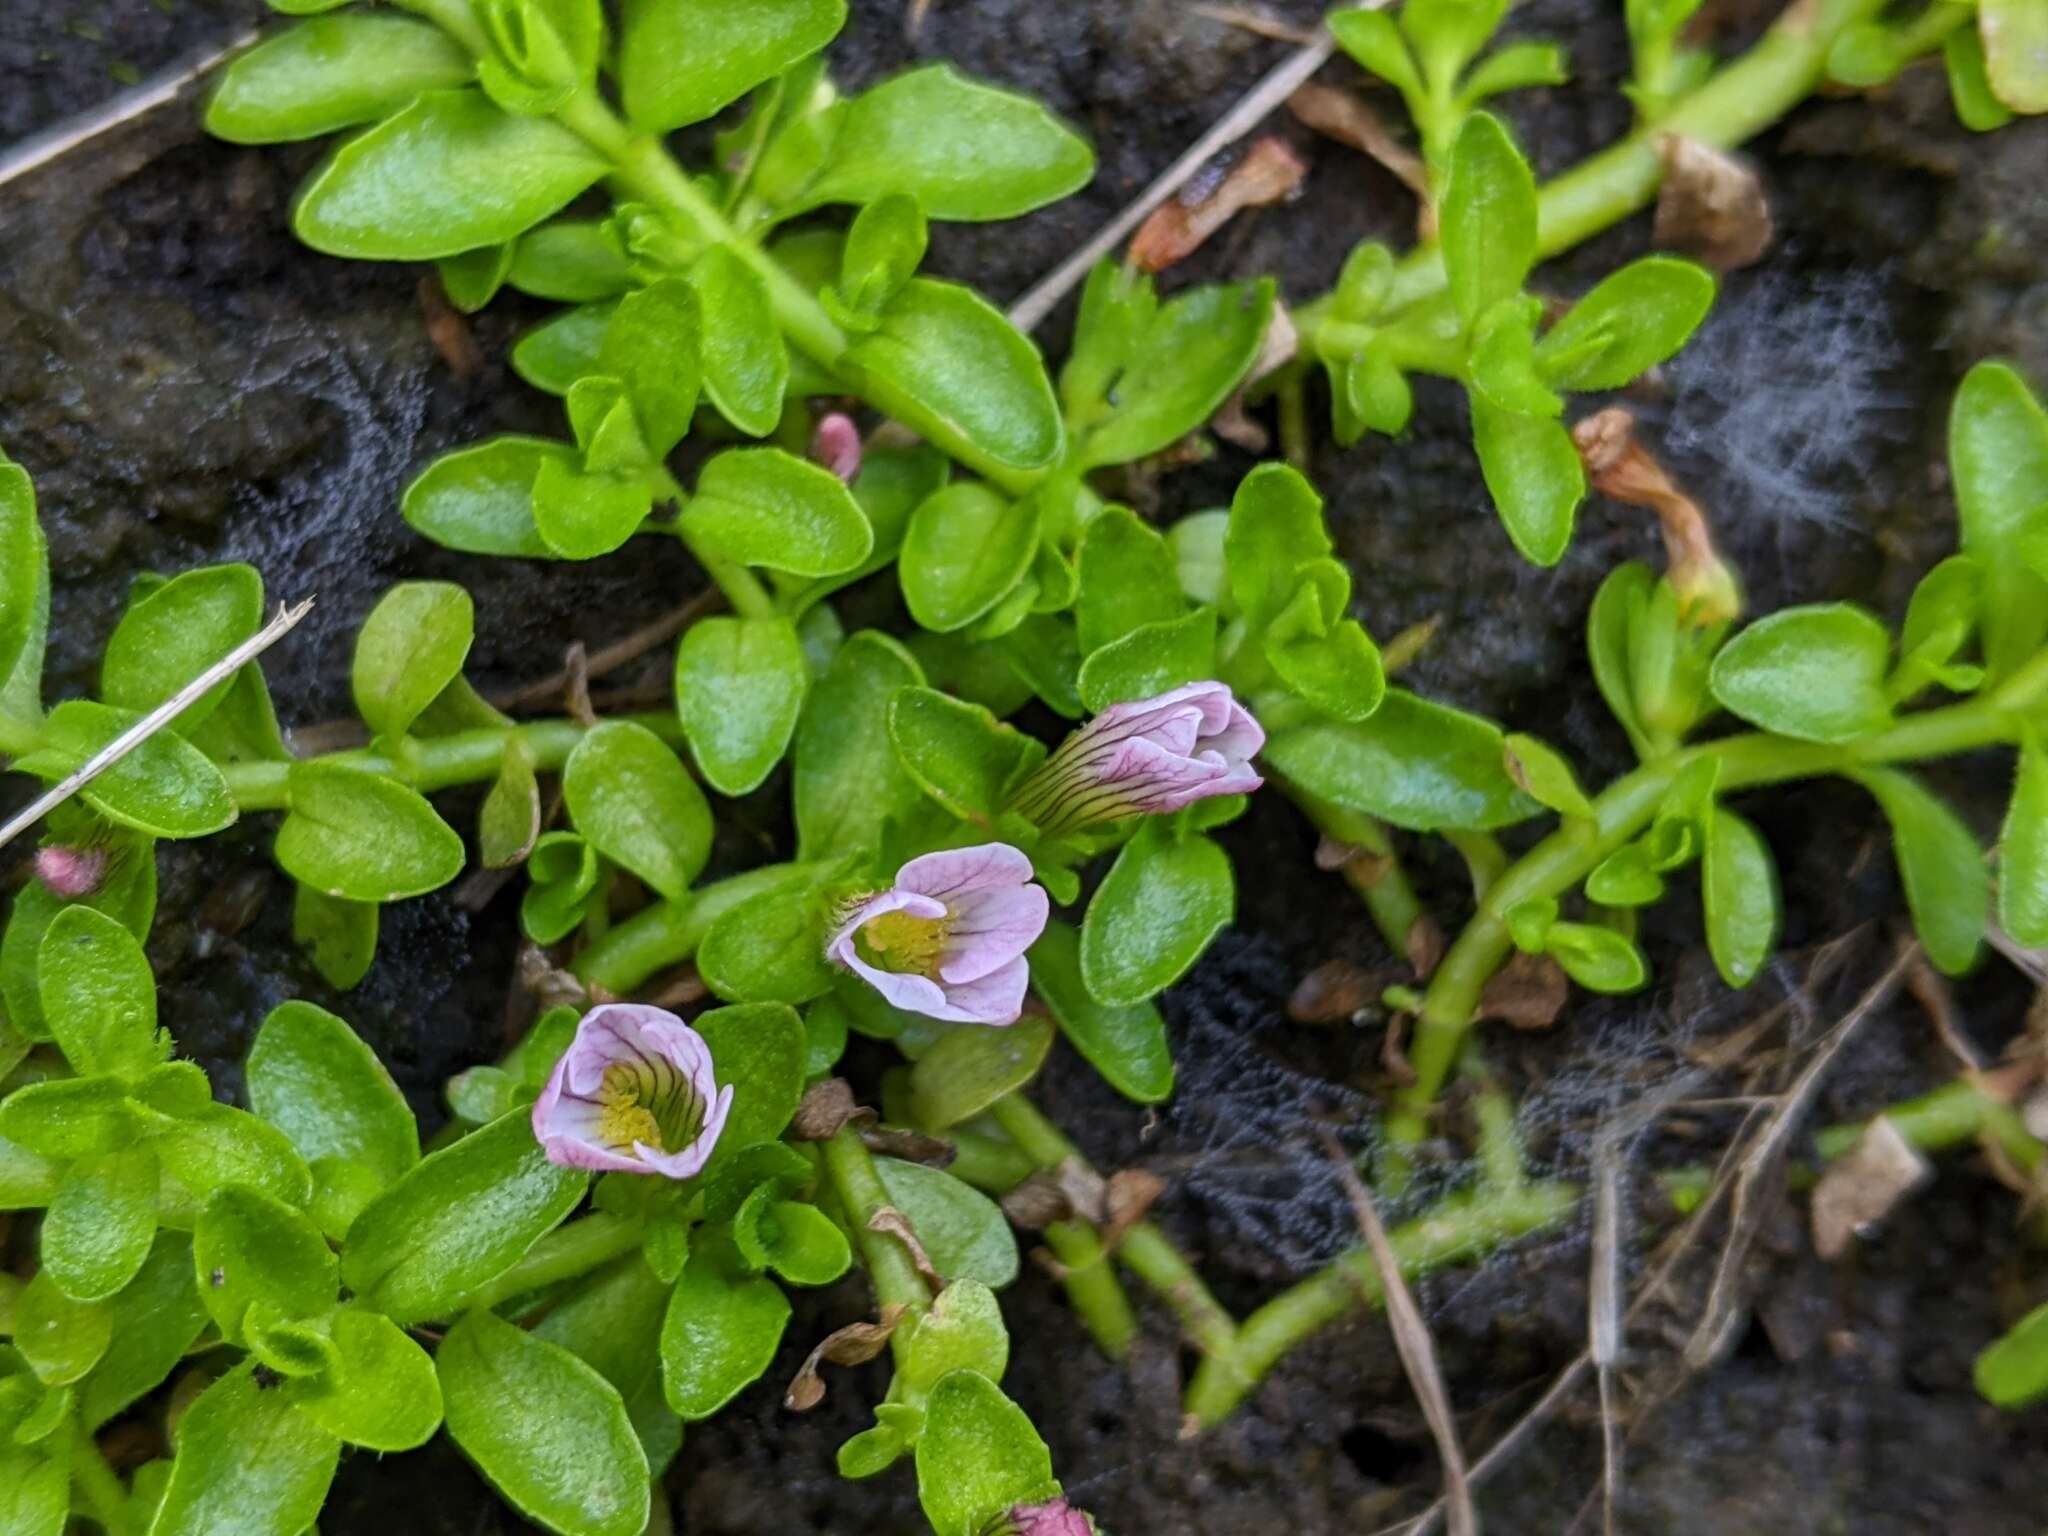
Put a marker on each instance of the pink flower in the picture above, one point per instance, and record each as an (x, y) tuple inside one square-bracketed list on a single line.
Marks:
[(948, 938), (1147, 756), (633, 1094), (1055, 1517), (71, 872), (836, 444)]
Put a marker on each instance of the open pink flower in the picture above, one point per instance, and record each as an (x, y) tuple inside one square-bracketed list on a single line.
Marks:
[(1146, 756), (947, 939), (632, 1094)]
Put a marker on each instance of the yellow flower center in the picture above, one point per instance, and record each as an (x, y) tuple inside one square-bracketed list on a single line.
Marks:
[(626, 1118), (904, 942)]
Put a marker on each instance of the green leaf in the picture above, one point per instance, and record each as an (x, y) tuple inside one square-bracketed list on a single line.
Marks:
[(963, 149), (1739, 889), (473, 279), (2015, 37), (340, 936), (1623, 597), (99, 995), (892, 483), (547, 1430), (973, 1066), (1127, 1045), (410, 648), (1488, 217), (1183, 366), (721, 1332), (212, 1144), (764, 507), (1631, 321), (445, 174), (61, 1339), (315, 1079), (250, 1250), (652, 345), (381, 1392), (1419, 765), (1151, 660), (848, 784), (1534, 475), (771, 947), (1940, 620), (1815, 673), (978, 1456), (155, 1319), (886, 242), (1516, 67), (681, 61), (1164, 899), (962, 1230), (1969, 82), (1276, 527), (360, 836), (175, 633), (2023, 848), (28, 1180), (739, 687), (760, 1049), (248, 1464), (572, 261), (1545, 775), (966, 547), (479, 500), (1597, 958), (1374, 39), (456, 1221), (799, 1242), (555, 354), (960, 754), (746, 364), (631, 798), (1325, 658), (612, 1322), (1948, 887), (977, 381), (1998, 460), (24, 600), (67, 1117), (2012, 1371), (333, 73), (1627, 877), (165, 787), (101, 1222), (1128, 578)]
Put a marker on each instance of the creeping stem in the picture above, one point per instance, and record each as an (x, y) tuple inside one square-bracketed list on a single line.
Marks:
[(563, 1254), (891, 1270), (1568, 855), (1375, 872)]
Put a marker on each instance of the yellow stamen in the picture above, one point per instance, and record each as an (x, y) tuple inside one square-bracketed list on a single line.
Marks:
[(905, 942), (625, 1119)]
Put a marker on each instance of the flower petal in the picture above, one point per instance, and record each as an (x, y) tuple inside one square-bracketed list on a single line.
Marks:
[(990, 929), (913, 994), (953, 872), (880, 905), (997, 998)]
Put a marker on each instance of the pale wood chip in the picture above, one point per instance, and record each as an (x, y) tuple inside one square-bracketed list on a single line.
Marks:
[(1711, 205), (1862, 1186)]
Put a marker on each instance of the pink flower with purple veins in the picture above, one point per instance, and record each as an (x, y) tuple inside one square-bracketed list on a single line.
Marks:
[(634, 1093), (947, 939), (1151, 755), (1055, 1517)]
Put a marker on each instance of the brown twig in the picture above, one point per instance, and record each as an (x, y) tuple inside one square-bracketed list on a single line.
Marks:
[(1412, 1341), (546, 690)]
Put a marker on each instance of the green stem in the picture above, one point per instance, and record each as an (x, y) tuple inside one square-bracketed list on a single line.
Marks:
[(1463, 1226), (743, 590), (891, 1270), (1380, 881), (563, 1254), (1740, 101), (435, 762), (1145, 1250), (1092, 1286), (99, 1484), (1568, 855), (668, 933)]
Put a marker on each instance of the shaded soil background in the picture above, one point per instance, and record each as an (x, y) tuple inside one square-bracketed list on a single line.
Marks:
[(186, 384)]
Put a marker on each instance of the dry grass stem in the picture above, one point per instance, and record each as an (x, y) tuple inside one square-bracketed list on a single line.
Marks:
[(1412, 1341), (1346, 117)]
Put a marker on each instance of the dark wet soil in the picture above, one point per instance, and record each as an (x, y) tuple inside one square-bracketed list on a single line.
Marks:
[(186, 384)]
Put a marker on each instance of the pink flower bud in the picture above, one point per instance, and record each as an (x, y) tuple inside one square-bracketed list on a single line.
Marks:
[(1055, 1517), (1149, 755), (71, 873), (836, 445), (634, 1093), (947, 939)]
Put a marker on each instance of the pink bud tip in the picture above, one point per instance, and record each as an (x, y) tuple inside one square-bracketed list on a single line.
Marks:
[(71, 873), (836, 445), (1056, 1517)]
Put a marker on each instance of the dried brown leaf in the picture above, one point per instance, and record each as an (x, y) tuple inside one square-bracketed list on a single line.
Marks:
[(894, 1223), (1131, 1193), (448, 329), (1529, 992), (826, 1109), (1346, 117), (1268, 173), (1862, 1186), (547, 983), (907, 1145), (1331, 993), (1711, 205), (1620, 467), (1425, 946), (1037, 1203), (1408, 644), (855, 1344)]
